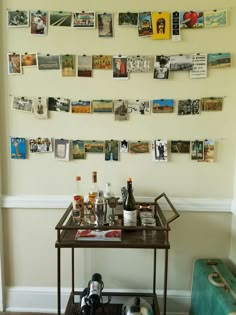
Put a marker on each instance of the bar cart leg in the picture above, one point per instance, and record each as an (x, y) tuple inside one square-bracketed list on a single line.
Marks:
[(58, 281), (73, 270), (165, 281), (154, 270)]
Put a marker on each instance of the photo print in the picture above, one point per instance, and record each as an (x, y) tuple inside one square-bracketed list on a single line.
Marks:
[(94, 146), (180, 146), (60, 18), (84, 19), (40, 107), (119, 67), (58, 104), (161, 67), (14, 63), (105, 25), (189, 107), (163, 106), (78, 150), (127, 19), (80, 107), (18, 18), (124, 146), (159, 150), (141, 107), (199, 70), (138, 147), (212, 104), (48, 62), (191, 19), (181, 62), (197, 150), (209, 151), (220, 60), (85, 66), (29, 60), (121, 109), (68, 65), (40, 145), (145, 24), (102, 62), (39, 20), (21, 103), (175, 30), (62, 149), (215, 18), (102, 106), (161, 25), (18, 148), (111, 150), (139, 63)]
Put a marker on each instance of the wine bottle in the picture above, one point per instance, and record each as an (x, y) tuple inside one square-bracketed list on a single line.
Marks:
[(78, 202), (93, 190), (95, 292), (84, 307), (130, 211)]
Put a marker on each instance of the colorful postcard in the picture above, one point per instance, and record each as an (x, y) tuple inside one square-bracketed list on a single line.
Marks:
[(215, 18), (197, 150), (14, 63), (199, 66), (78, 150), (159, 150), (121, 109), (139, 63), (212, 104), (209, 151), (21, 103), (161, 25), (94, 146), (58, 104), (85, 66), (128, 19), (180, 146), (39, 21), (191, 19), (102, 106), (84, 19), (181, 62), (189, 107), (40, 108), (119, 66), (18, 148), (124, 146), (140, 107), (145, 24), (105, 25), (29, 60), (163, 106), (111, 150), (161, 67), (102, 62), (175, 23), (220, 60), (18, 18), (60, 18), (68, 65), (48, 62), (80, 107), (139, 147), (40, 145), (62, 149)]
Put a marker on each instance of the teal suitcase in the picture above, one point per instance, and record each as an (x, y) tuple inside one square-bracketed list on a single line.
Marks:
[(213, 288)]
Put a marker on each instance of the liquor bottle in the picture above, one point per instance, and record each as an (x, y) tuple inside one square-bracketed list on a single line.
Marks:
[(93, 190), (78, 202), (108, 194), (130, 211)]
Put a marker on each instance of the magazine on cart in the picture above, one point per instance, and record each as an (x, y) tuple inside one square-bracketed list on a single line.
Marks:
[(98, 235)]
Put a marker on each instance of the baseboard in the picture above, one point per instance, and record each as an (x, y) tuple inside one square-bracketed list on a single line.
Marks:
[(44, 300)]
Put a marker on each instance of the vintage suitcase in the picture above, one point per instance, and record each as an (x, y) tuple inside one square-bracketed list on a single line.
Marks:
[(213, 288)]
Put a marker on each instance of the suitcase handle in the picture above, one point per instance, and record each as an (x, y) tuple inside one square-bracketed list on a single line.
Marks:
[(215, 283)]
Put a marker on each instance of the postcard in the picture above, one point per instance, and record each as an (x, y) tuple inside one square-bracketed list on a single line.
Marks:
[(180, 146), (124, 146), (181, 62), (121, 109), (175, 30), (48, 62), (58, 104), (84, 66), (102, 62), (197, 150), (139, 63), (138, 147), (127, 19), (209, 151), (161, 25), (163, 106), (145, 24), (105, 25), (159, 150), (18, 18), (220, 60), (119, 66), (60, 18), (140, 107), (199, 66), (191, 19), (40, 108), (212, 103), (62, 149), (39, 20), (215, 18), (161, 67), (102, 106), (94, 146), (40, 145), (78, 150), (111, 150), (189, 107), (14, 63), (21, 103), (68, 65), (84, 19), (80, 107), (18, 148), (29, 59)]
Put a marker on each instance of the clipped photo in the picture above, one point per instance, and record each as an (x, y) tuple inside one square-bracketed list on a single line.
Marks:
[(191, 19), (105, 25), (220, 60), (94, 146), (119, 67), (102, 106), (127, 19), (21, 103), (85, 66), (102, 62), (29, 60), (145, 24), (121, 109), (80, 107), (58, 104), (111, 150), (18, 18), (141, 107), (159, 150), (139, 64), (124, 146), (84, 19), (197, 150), (14, 63), (40, 107), (138, 147), (40, 145), (60, 18), (18, 148), (161, 25), (215, 18), (68, 65), (161, 67), (181, 63), (39, 20), (179, 146), (212, 104), (163, 106), (78, 150), (62, 149), (48, 62)]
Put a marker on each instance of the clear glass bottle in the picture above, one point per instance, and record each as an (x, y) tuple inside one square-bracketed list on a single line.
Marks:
[(108, 194), (78, 202), (93, 190), (130, 210)]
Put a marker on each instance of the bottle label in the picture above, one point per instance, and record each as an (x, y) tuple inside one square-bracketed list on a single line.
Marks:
[(95, 288), (130, 217)]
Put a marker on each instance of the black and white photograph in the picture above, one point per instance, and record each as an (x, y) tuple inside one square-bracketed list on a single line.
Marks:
[(124, 146), (105, 25), (128, 19), (121, 109), (175, 29), (180, 146), (189, 107), (18, 18), (58, 104), (62, 149), (161, 67), (139, 64), (40, 107), (21, 103), (40, 145), (39, 21), (159, 150), (181, 63), (48, 62), (141, 107)]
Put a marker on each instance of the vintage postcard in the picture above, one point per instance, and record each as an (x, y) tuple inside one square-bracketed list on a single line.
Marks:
[(191, 19), (102, 62), (68, 65), (124, 146), (220, 60), (119, 67), (212, 103), (180, 146), (159, 150), (84, 66), (139, 147), (197, 150), (121, 109), (141, 107), (127, 19), (111, 150), (105, 25), (78, 150), (199, 66), (161, 25), (102, 106), (48, 62), (62, 149), (94, 146), (60, 18), (189, 107), (209, 151), (145, 24), (215, 18), (84, 19), (40, 107), (58, 104), (139, 63), (163, 106), (18, 148), (161, 67), (175, 26), (40, 145), (39, 21), (80, 107), (21, 103), (14, 63), (181, 62), (18, 18), (29, 60)]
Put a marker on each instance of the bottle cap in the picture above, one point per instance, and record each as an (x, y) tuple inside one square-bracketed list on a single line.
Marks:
[(129, 179), (78, 178), (76, 197)]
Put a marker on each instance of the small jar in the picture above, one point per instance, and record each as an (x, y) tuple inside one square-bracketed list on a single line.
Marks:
[(148, 222)]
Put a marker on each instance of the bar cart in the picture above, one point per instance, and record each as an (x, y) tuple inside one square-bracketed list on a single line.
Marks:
[(159, 239)]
